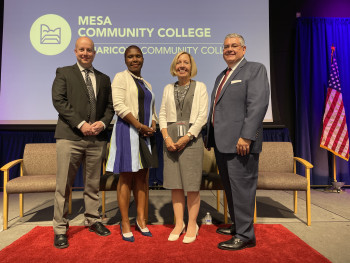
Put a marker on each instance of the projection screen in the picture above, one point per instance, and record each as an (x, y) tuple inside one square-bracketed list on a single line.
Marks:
[(39, 36)]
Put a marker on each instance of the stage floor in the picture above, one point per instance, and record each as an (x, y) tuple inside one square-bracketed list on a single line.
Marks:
[(329, 232)]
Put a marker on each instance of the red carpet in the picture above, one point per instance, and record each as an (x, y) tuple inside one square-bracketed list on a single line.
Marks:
[(275, 243)]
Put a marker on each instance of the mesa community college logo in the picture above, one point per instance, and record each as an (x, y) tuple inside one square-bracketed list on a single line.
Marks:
[(50, 34)]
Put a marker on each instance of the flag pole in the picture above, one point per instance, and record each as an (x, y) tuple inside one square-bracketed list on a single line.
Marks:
[(334, 160), (334, 168), (335, 116)]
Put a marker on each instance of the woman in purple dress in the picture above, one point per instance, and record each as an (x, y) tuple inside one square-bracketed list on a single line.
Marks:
[(132, 147)]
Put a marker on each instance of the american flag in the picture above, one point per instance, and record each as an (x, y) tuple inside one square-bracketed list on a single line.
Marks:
[(335, 132)]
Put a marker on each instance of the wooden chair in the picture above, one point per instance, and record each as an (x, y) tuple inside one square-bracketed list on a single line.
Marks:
[(37, 175), (211, 179), (277, 171), (109, 182)]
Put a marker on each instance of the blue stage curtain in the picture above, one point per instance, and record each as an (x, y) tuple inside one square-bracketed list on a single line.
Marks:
[(314, 38), (276, 135)]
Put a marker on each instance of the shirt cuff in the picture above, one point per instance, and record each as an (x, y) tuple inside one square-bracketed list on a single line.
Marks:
[(104, 125), (80, 124)]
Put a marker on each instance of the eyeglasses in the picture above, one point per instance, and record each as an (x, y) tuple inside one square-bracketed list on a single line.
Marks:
[(233, 46)]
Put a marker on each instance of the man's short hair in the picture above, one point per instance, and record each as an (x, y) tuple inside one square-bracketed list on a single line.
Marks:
[(234, 35)]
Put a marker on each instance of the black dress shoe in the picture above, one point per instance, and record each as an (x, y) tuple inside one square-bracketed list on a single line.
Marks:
[(61, 241), (99, 229), (231, 230), (236, 244)]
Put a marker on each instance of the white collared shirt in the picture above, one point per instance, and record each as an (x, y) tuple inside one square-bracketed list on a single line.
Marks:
[(229, 75), (93, 81), (91, 75)]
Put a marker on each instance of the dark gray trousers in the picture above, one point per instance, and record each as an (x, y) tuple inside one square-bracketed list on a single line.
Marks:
[(239, 175)]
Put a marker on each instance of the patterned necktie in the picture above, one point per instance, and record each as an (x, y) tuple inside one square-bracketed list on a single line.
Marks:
[(219, 90), (92, 98)]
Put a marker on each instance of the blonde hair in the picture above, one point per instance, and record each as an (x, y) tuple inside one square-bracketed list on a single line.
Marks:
[(173, 64)]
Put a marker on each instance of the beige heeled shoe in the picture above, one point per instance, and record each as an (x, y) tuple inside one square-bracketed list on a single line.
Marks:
[(188, 240), (173, 237)]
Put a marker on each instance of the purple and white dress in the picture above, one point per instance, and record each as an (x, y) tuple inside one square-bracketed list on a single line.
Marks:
[(130, 152)]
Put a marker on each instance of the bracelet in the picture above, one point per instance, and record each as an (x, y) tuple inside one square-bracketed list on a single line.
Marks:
[(166, 138), (140, 128), (189, 135)]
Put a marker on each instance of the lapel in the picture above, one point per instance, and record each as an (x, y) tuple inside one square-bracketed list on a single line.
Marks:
[(98, 81), (82, 84), (216, 86), (233, 75)]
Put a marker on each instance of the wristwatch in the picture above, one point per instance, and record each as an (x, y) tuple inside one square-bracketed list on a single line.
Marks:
[(190, 136)]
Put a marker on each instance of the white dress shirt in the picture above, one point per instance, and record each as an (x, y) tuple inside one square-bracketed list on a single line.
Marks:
[(93, 81), (229, 75)]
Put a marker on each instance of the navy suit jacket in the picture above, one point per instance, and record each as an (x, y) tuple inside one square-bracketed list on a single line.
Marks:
[(240, 109), (71, 99)]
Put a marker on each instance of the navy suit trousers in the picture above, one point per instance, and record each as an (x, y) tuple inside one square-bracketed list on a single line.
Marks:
[(239, 175)]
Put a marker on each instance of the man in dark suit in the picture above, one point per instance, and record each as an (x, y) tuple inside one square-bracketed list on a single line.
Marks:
[(82, 97), (238, 105)]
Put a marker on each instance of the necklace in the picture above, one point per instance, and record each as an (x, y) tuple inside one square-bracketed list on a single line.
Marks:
[(180, 94), (136, 77)]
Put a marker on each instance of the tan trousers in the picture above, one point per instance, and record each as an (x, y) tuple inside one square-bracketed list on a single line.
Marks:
[(70, 155)]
